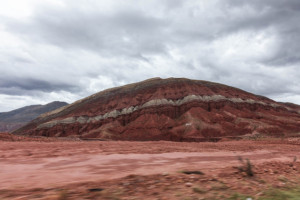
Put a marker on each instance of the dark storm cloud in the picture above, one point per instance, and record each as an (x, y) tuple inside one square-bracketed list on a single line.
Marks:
[(86, 46), (23, 86)]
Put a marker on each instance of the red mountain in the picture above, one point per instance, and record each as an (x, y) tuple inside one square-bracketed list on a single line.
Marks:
[(168, 109)]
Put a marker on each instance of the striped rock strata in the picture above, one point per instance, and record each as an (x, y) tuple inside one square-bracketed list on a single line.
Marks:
[(168, 109)]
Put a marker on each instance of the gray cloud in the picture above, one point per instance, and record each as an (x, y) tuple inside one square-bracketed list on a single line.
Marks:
[(24, 86), (81, 47), (126, 32), (283, 17)]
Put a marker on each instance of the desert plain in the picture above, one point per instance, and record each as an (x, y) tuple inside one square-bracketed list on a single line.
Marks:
[(41, 168)]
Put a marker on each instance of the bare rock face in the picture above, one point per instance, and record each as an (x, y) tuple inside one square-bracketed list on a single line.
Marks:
[(168, 109)]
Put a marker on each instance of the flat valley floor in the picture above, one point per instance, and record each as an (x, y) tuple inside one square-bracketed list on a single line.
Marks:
[(150, 170)]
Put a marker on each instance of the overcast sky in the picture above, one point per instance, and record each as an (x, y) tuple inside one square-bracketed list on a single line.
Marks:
[(68, 49)]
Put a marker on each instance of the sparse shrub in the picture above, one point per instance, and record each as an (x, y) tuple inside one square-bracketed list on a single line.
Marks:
[(219, 186), (198, 190), (238, 196), (283, 179), (277, 194), (63, 195), (295, 159), (246, 166)]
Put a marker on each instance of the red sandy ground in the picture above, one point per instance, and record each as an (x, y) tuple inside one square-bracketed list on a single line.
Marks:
[(143, 170)]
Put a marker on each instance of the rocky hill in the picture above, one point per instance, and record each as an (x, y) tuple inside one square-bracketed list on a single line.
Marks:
[(175, 109), (17, 118)]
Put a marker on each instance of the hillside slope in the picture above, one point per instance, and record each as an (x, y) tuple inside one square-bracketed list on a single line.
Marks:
[(17, 118), (168, 109)]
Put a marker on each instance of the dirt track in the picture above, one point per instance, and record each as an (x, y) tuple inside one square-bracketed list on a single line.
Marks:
[(26, 165)]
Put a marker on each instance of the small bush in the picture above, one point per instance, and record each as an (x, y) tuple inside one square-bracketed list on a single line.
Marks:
[(238, 196), (294, 161), (198, 190), (246, 166), (63, 195)]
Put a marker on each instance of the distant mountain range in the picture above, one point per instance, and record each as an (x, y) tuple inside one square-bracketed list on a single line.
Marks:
[(15, 119)]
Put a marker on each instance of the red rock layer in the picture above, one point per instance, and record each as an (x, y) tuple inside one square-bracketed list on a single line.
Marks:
[(236, 113)]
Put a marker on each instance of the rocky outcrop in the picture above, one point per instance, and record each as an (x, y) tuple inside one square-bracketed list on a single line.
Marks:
[(168, 109), (15, 119)]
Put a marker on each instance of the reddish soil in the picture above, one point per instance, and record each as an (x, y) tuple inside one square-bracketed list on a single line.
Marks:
[(143, 170)]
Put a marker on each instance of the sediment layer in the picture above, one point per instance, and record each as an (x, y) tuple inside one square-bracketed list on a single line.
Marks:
[(151, 103)]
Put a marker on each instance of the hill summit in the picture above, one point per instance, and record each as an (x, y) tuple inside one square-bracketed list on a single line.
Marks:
[(175, 109)]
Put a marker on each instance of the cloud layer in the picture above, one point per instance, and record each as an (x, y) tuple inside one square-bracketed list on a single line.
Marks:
[(66, 50)]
